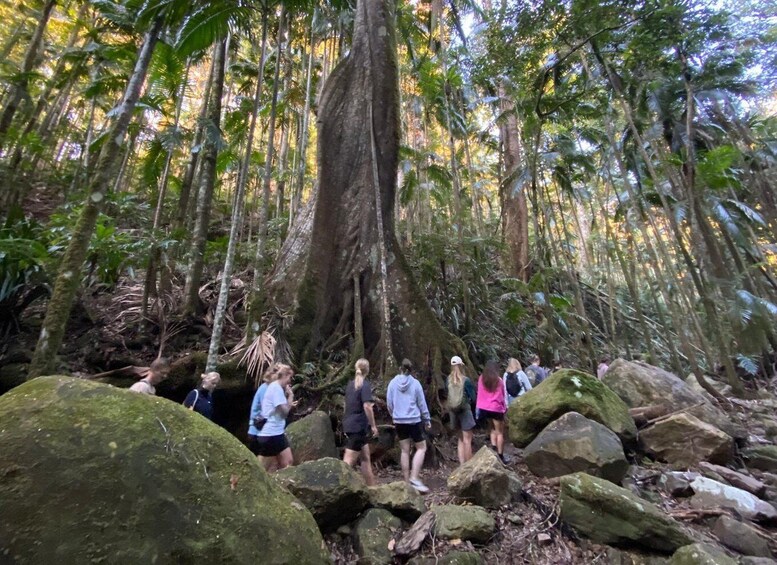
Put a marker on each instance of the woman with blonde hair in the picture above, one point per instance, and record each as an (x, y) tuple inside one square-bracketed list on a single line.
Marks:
[(256, 407), (271, 442), (358, 416), (200, 400), (461, 393), (517, 382)]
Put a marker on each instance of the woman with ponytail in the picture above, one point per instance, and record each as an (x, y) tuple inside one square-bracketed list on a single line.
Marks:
[(358, 416)]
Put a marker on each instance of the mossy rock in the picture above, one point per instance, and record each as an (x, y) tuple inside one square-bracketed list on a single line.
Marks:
[(372, 534), (312, 438), (568, 390), (485, 481), (399, 498), (93, 473), (641, 384), (333, 492), (609, 514), (463, 522), (700, 554), (763, 457)]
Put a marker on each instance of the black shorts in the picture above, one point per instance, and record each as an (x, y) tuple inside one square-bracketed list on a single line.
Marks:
[(489, 415), (268, 446), (355, 440), (410, 431)]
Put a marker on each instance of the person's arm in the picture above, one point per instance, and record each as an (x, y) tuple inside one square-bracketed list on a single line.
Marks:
[(284, 409), (366, 395), (421, 400), (524, 381), (390, 398)]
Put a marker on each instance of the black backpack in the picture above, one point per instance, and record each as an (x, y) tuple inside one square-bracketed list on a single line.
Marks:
[(513, 383)]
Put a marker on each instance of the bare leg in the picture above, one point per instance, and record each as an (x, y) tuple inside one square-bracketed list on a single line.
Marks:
[(269, 463), (460, 448), (350, 456), (418, 459), (499, 429), (285, 458), (466, 440), (366, 466), (493, 435), (404, 460)]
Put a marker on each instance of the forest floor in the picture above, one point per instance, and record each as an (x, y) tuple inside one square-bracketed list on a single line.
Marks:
[(530, 531)]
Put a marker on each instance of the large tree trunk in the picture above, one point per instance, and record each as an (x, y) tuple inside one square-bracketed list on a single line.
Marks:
[(352, 233)]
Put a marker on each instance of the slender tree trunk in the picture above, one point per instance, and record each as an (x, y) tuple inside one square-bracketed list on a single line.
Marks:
[(255, 300), (20, 87), (207, 184), (226, 278), (512, 192), (69, 277)]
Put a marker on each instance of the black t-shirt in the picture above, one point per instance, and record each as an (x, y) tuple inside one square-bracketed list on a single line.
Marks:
[(355, 419)]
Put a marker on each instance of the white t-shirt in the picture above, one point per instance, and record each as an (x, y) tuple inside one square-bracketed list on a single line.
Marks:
[(143, 387), (276, 420)]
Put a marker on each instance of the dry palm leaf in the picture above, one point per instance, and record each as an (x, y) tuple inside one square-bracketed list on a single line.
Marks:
[(258, 356)]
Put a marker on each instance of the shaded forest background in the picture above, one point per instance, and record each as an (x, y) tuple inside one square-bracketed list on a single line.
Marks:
[(576, 178)]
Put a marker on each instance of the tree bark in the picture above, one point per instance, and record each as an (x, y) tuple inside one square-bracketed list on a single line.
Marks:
[(69, 276), (207, 184), (358, 143), (20, 87), (512, 192)]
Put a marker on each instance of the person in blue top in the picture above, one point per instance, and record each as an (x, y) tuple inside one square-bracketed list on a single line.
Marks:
[(200, 400), (271, 442), (256, 406), (407, 405)]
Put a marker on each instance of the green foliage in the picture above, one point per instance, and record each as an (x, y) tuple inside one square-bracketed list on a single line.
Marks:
[(23, 278)]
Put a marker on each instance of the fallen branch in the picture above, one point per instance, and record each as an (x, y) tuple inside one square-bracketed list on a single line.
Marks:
[(696, 514), (670, 414), (415, 536)]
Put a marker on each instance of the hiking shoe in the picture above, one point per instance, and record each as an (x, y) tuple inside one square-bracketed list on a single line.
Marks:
[(419, 486), (505, 459)]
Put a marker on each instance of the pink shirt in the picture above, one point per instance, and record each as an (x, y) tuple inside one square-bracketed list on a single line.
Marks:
[(491, 401)]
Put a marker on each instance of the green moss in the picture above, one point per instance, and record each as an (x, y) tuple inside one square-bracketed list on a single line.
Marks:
[(104, 474), (565, 391)]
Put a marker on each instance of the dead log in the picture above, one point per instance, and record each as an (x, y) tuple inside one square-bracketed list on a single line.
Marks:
[(737, 479), (642, 414), (415, 536)]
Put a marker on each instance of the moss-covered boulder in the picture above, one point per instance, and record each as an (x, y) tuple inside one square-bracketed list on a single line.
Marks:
[(485, 481), (700, 554), (565, 391), (574, 443), (640, 384), (333, 492), (372, 535), (471, 523), (763, 457), (399, 498), (683, 441), (609, 514), (93, 473), (312, 438)]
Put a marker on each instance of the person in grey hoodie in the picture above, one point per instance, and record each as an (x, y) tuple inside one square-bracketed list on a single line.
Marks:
[(407, 405)]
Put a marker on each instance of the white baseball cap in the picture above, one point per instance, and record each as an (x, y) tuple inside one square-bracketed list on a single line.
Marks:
[(456, 360)]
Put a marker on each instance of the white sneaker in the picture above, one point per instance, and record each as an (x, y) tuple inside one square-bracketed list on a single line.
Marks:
[(419, 486)]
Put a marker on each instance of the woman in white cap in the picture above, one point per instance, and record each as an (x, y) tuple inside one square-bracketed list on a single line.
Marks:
[(461, 395)]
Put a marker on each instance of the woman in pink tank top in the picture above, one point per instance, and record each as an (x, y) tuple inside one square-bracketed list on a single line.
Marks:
[(492, 404)]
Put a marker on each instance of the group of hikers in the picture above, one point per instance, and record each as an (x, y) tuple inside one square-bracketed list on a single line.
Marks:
[(466, 404)]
